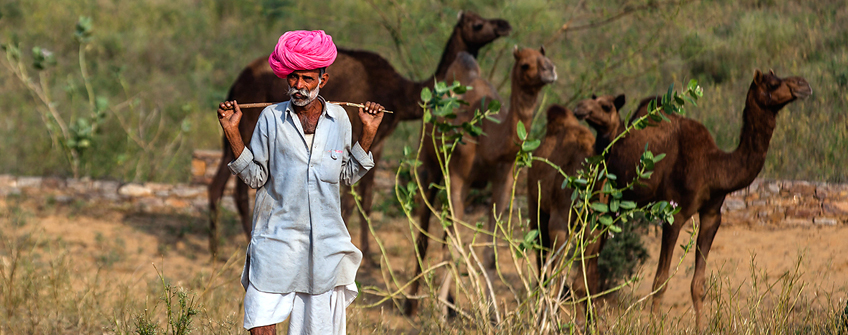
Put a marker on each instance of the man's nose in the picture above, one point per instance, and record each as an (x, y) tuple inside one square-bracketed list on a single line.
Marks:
[(300, 84)]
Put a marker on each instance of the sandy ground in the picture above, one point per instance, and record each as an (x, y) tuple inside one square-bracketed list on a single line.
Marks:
[(132, 242)]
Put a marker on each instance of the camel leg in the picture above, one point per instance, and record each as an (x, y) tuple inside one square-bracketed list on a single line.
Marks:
[(243, 206), (501, 186), (710, 221), (214, 192), (669, 240)]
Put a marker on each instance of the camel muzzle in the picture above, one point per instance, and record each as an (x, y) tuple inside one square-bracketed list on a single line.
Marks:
[(800, 87)]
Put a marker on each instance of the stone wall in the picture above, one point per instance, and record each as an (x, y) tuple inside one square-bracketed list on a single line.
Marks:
[(764, 203)]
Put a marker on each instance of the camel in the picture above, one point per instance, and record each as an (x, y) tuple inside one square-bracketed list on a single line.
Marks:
[(567, 144), (356, 76), (696, 174), (488, 158)]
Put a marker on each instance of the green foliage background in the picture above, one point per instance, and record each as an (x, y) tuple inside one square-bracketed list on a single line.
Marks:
[(180, 56)]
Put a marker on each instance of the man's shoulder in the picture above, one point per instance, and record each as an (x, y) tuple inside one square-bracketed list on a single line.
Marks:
[(337, 112)]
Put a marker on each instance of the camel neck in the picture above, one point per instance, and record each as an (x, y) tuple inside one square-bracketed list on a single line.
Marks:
[(454, 45), (606, 133), (744, 164)]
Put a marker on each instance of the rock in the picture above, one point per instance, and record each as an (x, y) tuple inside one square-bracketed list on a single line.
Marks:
[(771, 187), (805, 213), (53, 183), (176, 203), (825, 221), (134, 190), (29, 182), (7, 181), (796, 222), (733, 205), (835, 207), (78, 185), (150, 203), (198, 168), (105, 187), (184, 191), (802, 188)]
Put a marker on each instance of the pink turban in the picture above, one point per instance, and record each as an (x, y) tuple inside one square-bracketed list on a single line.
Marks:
[(302, 50)]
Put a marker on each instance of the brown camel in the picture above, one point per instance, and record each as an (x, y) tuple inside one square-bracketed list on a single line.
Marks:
[(697, 175), (567, 144), (356, 76), (487, 158)]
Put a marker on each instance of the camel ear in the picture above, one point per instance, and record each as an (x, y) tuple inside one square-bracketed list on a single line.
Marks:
[(758, 76), (515, 51), (619, 102), (459, 15), (542, 50), (594, 96), (771, 72)]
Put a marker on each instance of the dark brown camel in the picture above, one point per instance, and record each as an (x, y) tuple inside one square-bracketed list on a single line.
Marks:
[(698, 175), (567, 144), (356, 76), (487, 158)]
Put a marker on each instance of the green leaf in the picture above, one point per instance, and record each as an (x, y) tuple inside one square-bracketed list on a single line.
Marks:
[(614, 204), (611, 176), (490, 118), (690, 100), (494, 106), (667, 98), (426, 95), (599, 207), (647, 175), (658, 158), (606, 220), (530, 145), (615, 229), (522, 132)]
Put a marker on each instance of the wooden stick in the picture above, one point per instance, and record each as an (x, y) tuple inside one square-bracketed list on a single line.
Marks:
[(266, 104)]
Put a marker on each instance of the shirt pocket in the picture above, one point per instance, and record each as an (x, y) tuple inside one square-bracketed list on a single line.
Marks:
[(331, 166)]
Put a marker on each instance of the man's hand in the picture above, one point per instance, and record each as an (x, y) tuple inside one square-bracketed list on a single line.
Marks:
[(229, 115), (371, 116)]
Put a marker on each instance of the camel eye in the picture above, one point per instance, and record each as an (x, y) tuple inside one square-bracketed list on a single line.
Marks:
[(606, 108), (477, 26), (525, 67)]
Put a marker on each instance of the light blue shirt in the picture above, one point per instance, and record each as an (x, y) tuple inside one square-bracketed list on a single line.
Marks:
[(299, 241)]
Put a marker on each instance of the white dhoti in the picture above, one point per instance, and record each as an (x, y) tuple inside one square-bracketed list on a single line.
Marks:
[(310, 314)]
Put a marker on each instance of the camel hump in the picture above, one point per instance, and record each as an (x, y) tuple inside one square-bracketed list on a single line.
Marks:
[(559, 115), (463, 69), (643, 106)]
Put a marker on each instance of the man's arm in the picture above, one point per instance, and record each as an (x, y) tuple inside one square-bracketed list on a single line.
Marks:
[(250, 166), (229, 115), (360, 160), (371, 116)]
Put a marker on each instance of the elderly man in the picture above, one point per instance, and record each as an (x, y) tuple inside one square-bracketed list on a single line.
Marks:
[(300, 261)]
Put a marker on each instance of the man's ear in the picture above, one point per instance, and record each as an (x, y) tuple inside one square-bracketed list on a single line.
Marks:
[(324, 79)]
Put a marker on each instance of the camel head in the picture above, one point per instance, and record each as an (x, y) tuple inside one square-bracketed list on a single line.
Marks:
[(601, 112), (772, 92), (476, 31), (532, 70), (559, 117)]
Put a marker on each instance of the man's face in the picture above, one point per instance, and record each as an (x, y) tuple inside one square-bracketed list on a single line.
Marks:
[(304, 86)]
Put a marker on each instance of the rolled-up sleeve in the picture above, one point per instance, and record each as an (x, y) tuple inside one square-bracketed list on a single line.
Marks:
[(252, 165), (356, 164)]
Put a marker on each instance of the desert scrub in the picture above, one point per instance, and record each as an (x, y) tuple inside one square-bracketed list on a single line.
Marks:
[(485, 300)]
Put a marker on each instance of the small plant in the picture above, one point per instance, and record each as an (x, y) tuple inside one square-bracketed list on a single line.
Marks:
[(180, 309)]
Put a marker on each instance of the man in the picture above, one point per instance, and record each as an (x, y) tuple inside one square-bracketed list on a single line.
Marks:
[(300, 261)]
